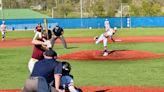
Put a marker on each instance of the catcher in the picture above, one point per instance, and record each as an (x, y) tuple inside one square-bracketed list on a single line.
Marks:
[(104, 37), (67, 83)]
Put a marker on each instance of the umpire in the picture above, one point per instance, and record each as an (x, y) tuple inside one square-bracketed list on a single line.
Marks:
[(45, 71), (58, 33)]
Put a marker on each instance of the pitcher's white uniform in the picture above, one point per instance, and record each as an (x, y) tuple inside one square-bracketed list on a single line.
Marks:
[(104, 36)]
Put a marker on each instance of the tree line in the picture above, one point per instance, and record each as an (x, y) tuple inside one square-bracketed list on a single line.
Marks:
[(91, 8)]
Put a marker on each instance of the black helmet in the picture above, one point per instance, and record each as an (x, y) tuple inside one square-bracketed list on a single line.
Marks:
[(45, 34), (66, 68)]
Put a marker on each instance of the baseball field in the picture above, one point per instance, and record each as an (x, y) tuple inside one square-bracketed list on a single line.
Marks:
[(135, 62)]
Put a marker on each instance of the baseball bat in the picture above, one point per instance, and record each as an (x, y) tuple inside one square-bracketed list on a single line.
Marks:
[(46, 27)]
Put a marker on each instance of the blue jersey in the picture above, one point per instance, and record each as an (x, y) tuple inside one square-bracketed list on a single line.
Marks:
[(58, 32), (47, 68)]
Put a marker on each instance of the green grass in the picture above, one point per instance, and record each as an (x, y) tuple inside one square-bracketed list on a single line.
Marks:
[(19, 34), (119, 73), (141, 32), (13, 66), (93, 32), (144, 72), (21, 14), (120, 32)]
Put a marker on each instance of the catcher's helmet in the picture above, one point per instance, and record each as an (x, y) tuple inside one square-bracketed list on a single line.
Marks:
[(66, 68)]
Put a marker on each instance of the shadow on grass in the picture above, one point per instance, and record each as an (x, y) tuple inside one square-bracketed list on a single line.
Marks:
[(72, 47)]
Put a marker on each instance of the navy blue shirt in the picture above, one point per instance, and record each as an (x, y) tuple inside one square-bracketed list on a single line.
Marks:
[(47, 68), (58, 32)]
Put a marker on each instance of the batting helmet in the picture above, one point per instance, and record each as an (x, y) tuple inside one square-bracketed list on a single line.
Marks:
[(45, 34), (66, 68)]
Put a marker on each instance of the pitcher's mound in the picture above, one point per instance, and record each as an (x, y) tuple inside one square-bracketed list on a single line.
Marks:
[(113, 55)]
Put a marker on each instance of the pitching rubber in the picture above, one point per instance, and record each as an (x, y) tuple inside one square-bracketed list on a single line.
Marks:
[(118, 40)]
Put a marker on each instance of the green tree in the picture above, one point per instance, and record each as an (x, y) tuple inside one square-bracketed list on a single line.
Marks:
[(111, 7), (64, 8), (156, 9), (134, 10), (147, 8), (150, 9), (111, 12), (98, 9)]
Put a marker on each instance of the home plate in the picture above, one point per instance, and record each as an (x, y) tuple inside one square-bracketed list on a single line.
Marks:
[(118, 40)]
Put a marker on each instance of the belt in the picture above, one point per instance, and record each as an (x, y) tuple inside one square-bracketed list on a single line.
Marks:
[(34, 78), (34, 60)]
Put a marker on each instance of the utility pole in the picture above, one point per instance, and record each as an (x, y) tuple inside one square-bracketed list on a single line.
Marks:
[(81, 8), (53, 8), (121, 14), (81, 11), (1, 9)]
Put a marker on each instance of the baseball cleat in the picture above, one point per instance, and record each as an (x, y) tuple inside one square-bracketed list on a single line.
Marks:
[(95, 38), (105, 54)]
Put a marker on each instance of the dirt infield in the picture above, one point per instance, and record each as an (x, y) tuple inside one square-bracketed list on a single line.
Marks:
[(113, 55), (76, 40), (109, 89), (121, 89)]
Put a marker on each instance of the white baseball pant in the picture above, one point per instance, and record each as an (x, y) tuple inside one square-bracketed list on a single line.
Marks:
[(31, 64), (102, 38)]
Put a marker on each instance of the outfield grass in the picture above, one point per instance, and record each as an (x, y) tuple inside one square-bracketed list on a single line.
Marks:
[(145, 72), (93, 32)]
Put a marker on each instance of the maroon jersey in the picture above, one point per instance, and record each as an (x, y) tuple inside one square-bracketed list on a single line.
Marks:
[(38, 52), (39, 28)]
